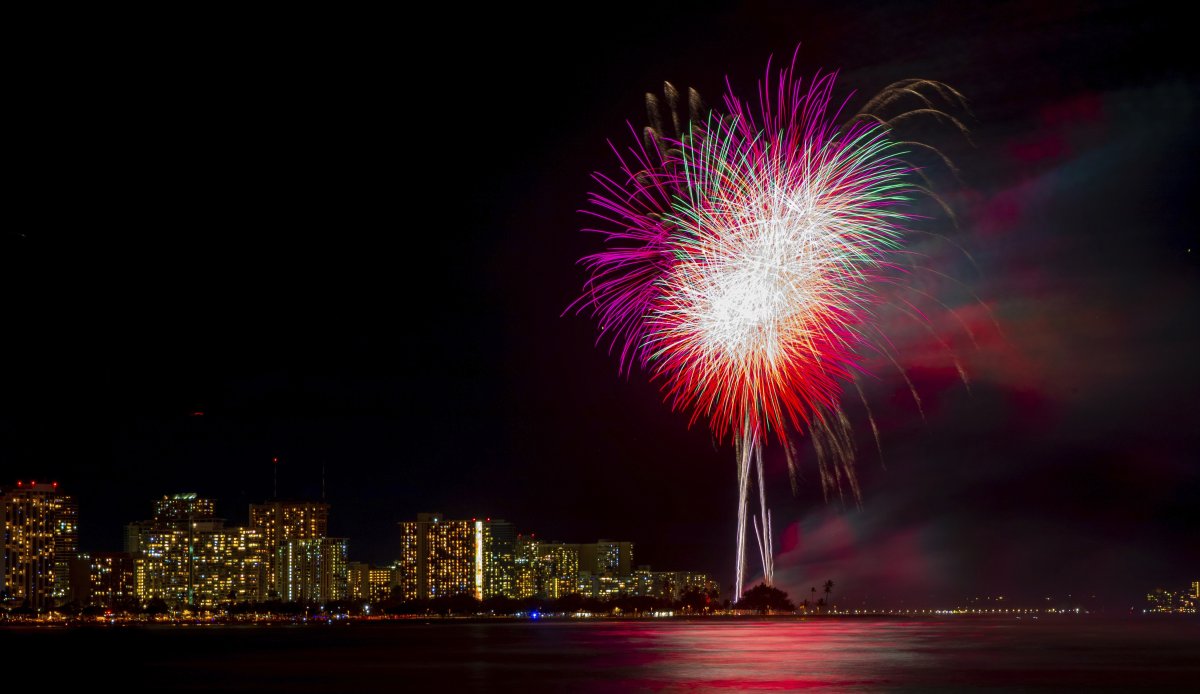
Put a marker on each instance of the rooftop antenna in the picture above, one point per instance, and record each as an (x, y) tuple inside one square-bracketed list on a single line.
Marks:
[(322, 480), (275, 477)]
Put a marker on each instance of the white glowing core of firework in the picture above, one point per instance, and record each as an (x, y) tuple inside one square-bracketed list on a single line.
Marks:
[(759, 289)]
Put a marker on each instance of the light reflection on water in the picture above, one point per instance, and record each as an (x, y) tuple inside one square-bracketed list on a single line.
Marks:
[(779, 656), (854, 655), (716, 655)]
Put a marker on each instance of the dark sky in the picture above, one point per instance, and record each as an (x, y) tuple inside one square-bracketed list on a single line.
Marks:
[(353, 252)]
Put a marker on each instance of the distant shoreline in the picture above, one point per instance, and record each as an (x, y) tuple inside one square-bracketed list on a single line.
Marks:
[(429, 620)]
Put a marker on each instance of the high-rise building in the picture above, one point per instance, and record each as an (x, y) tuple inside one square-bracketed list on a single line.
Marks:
[(546, 569), (165, 548), (1196, 589), (40, 531), (441, 557), (188, 558), (280, 521), (606, 558), (557, 569), (228, 566), (66, 543), (410, 566), (500, 545), (454, 558), (526, 567), (312, 571)]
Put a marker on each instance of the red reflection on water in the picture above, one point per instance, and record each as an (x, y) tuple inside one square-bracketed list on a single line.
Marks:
[(953, 653), (750, 656)]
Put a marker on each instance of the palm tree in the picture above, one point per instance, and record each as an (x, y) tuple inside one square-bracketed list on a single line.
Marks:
[(828, 591), (814, 595)]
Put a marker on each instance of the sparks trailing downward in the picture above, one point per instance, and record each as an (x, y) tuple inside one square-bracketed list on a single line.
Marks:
[(746, 252)]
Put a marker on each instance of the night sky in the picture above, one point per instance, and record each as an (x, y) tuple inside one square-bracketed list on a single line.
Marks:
[(214, 220)]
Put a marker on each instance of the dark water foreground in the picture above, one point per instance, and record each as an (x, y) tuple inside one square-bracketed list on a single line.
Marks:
[(1084, 653)]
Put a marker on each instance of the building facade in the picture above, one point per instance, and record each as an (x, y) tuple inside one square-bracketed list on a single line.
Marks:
[(440, 557), (499, 578), (229, 566), (40, 531), (188, 558), (606, 558), (358, 581), (280, 521), (312, 571), (368, 583), (689, 581), (104, 579), (525, 567), (558, 569), (653, 584), (546, 569), (379, 581), (604, 587), (164, 548), (66, 543)]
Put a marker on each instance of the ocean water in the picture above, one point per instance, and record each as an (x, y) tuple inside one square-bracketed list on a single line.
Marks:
[(1084, 653)]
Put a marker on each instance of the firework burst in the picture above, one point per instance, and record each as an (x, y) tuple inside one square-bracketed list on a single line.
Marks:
[(746, 252), (785, 230)]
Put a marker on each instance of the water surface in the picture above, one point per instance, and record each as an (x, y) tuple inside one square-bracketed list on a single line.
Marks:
[(950, 654)]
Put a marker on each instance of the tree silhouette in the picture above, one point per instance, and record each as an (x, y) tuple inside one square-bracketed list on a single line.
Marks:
[(814, 595), (765, 599), (828, 592), (694, 600)]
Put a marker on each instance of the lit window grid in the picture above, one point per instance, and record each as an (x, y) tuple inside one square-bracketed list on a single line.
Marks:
[(40, 537), (312, 571), (280, 521), (446, 557)]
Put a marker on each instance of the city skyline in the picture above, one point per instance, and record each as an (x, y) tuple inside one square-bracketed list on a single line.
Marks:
[(308, 520), (184, 556), (212, 512)]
